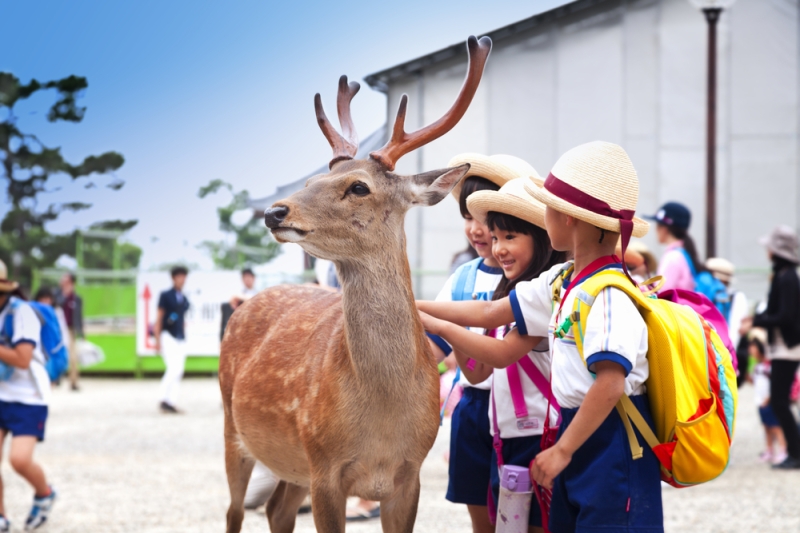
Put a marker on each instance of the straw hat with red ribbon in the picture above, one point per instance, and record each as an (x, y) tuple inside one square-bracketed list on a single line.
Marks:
[(596, 183), (5, 284)]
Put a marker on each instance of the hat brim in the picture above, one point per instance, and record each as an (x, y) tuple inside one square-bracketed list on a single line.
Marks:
[(485, 167), (482, 202), (8, 286), (640, 227)]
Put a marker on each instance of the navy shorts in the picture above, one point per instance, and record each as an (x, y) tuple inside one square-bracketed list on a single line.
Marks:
[(519, 452), (470, 449), (603, 489), (768, 417), (21, 419)]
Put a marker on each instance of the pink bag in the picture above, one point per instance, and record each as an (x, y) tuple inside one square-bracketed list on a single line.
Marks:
[(703, 306)]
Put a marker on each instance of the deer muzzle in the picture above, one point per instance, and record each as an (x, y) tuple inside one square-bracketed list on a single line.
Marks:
[(274, 216)]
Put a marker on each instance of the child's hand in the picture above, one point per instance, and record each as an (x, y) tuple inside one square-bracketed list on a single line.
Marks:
[(429, 323), (548, 464)]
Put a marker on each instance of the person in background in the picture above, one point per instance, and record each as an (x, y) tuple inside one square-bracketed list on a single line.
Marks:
[(72, 306), (723, 270), (650, 267), (46, 296), (680, 263), (24, 396), (249, 290), (781, 319), (170, 337), (776, 444)]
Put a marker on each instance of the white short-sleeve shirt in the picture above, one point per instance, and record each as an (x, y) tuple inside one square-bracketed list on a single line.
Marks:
[(614, 331), (32, 385), (486, 280), (535, 401)]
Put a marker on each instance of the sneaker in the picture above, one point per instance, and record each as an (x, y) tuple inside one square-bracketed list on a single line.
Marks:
[(779, 457), (40, 510), (5, 525), (789, 464), (168, 408), (766, 457)]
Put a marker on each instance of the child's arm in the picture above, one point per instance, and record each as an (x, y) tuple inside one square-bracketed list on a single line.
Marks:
[(477, 314), (479, 372), (494, 353), (19, 356), (595, 408)]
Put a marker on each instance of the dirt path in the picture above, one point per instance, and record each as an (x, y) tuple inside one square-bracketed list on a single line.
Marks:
[(120, 466)]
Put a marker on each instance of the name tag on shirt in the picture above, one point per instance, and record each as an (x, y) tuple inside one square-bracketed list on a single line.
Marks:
[(527, 423)]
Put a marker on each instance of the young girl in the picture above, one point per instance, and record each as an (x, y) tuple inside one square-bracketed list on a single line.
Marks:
[(470, 439), (776, 444), (680, 263), (521, 245)]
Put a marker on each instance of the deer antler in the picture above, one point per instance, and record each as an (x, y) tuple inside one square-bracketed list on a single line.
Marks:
[(344, 146), (402, 143)]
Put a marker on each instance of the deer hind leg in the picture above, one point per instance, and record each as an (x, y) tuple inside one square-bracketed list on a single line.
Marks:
[(399, 511), (283, 505), (238, 466)]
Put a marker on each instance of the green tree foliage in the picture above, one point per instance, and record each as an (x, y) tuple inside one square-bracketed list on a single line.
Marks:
[(253, 244), (99, 253), (27, 165)]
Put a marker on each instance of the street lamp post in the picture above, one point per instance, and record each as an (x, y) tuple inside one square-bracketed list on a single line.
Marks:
[(712, 9)]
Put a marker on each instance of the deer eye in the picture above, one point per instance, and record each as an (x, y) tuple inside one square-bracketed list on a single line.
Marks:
[(359, 189)]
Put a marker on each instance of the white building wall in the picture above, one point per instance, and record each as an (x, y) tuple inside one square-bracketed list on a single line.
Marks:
[(632, 72)]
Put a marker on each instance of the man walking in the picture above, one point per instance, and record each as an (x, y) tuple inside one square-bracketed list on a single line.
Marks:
[(171, 338), (72, 304)]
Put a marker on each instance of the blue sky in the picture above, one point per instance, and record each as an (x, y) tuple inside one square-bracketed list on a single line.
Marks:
[(189, 91)]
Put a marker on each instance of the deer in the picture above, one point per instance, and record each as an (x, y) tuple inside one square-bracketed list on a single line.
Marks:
[(338, 394)]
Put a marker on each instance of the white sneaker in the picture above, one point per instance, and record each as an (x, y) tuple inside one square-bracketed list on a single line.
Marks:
[(40, 510), (779, 457)]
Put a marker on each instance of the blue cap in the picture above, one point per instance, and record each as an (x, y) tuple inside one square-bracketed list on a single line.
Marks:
[(674, 215)]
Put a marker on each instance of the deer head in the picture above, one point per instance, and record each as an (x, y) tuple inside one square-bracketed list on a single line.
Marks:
[(357, 208)]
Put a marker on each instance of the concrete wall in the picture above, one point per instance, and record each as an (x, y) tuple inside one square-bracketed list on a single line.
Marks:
[(631, 72)]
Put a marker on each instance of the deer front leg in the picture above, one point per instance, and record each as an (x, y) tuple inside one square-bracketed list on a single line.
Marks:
[(238, 466), (399, 511), (328, 502)]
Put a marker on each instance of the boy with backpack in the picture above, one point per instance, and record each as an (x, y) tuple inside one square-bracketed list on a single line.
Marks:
[(24, 395)]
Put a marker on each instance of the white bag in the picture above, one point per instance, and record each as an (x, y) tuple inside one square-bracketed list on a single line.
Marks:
[(89, 354)]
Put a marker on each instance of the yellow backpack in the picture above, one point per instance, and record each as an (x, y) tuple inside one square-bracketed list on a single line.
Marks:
[(691, 387)]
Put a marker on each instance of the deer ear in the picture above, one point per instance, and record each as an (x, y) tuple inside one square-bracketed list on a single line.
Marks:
[(432, 187)]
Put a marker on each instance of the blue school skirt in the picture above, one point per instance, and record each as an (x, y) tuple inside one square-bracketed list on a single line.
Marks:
[(470, 449), (603, 489), (519, 451)]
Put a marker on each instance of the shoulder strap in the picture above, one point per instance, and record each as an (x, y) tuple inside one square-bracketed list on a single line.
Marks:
[(688, 261), (517, 395), (541, 382), (465, 280)]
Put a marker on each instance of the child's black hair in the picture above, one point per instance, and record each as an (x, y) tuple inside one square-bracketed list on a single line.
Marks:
[(689, 246), (544, 257), (473, 184), (759, 346), (179, 270), (44, 293)]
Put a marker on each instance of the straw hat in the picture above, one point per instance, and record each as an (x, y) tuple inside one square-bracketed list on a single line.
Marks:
[(498, 169), (631, 257), (5, 284), (512, 199), (720, 268), (642, 249), (593, 182)]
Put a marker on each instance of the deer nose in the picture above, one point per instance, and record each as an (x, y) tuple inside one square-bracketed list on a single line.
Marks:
[(275, 215)]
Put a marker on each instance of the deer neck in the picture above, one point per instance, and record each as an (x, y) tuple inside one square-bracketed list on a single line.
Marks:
[(382, 327)]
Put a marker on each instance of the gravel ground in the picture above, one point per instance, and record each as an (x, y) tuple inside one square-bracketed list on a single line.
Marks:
[(120, 466)]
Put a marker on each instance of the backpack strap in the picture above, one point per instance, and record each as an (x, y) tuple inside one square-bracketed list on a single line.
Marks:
[(464, 285), (517, 395), (542, 383)]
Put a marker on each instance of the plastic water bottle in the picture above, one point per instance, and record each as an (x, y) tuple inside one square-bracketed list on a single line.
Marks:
[(514, 503)]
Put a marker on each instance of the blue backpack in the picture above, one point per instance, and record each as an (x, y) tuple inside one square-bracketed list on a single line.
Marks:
[(53, 347), (712, 288)]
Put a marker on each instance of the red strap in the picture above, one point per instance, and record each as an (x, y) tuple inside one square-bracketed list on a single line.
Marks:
[(587, 272), (578, 198), (515, 386), (542, 384)]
